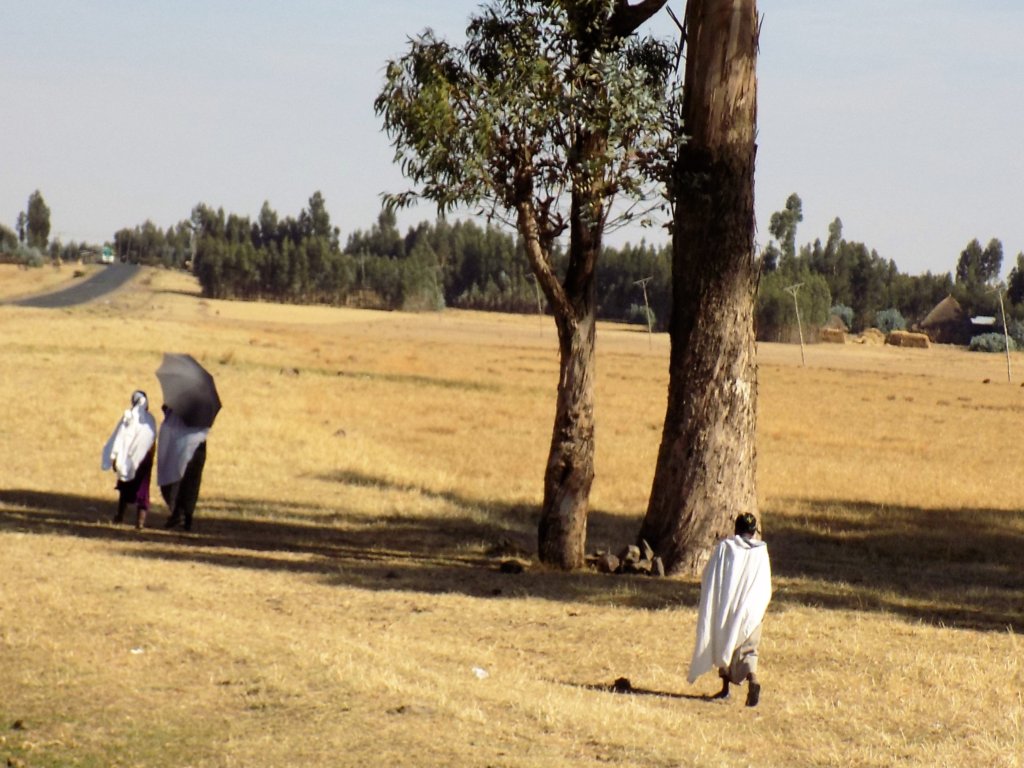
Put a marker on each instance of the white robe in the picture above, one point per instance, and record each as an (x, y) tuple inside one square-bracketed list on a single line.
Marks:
[(131, 440), (178, 443), (734, 594)]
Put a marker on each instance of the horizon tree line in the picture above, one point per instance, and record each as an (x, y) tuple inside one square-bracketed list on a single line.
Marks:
[(465, 265)]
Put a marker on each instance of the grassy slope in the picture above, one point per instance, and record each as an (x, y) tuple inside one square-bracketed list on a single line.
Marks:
[(339, 591), (16, 282)]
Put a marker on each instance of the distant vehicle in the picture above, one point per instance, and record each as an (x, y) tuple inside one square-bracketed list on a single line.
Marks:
[(107, 256)]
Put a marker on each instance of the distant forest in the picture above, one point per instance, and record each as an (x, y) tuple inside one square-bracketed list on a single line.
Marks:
[(463, 264)]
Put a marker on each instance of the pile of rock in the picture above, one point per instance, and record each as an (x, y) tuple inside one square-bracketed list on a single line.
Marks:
[(634, 559)]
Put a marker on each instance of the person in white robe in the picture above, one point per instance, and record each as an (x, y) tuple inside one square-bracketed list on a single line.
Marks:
[(181, 456), (735, 590), (129, 452)]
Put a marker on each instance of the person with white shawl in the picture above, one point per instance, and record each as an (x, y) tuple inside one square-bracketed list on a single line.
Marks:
[(181, 457), (129, 452), (734, 594)]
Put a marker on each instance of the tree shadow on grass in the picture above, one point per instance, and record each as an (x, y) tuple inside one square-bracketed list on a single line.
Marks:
[(607, 531), (951, 567), (459, 553)]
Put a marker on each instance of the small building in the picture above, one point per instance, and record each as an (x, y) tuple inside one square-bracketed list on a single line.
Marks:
[(946, 323)]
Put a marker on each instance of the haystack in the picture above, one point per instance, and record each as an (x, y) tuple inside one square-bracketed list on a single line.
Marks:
[(833, 335), (908, 339), (872, 336)]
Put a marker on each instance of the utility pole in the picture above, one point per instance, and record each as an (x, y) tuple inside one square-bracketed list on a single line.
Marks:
[(1006, 335), (438, 298), (647, 308), (540, 307), (792, 291)]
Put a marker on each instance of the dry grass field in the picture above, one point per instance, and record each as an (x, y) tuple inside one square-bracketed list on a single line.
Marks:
[(339, 601)]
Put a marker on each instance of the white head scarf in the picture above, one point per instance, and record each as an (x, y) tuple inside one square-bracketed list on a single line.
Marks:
[(131, 440)]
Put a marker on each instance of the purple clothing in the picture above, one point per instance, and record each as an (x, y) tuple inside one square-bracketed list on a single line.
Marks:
[(136, 490)]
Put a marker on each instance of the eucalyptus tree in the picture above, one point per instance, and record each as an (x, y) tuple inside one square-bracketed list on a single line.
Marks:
[(706, 468), (992, 261), (977, 272), (977, 266), (1015, 282), (542, 118), (968, 266), (37, 230), (268, 225), (782, 226)]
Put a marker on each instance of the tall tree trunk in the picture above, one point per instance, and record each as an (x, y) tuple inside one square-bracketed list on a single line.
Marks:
[(706, 469), (561, 534)]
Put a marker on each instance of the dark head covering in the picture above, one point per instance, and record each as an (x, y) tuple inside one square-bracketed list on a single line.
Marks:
[(746, 525)]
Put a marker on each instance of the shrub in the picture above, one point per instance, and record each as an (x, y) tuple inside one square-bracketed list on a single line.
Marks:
[(638, 314), (30, 256), (1016, 330), (889, 320), (990, 342), (8, 243)]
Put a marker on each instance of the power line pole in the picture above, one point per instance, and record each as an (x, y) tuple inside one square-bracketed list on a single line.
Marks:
[(792, 291), (647, 308), (1006, 334), (540, 307)]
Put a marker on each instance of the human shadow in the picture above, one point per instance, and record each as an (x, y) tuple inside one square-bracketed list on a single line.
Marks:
[(952, 567), (623, 686), (466, 552)]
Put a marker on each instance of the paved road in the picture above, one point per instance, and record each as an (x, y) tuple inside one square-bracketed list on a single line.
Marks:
[(106, 280)]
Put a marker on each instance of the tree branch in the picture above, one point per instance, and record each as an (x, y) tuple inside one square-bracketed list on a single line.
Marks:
[(540, 260), (626, 18)]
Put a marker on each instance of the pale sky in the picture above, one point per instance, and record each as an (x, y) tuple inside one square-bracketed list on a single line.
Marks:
[(902, 117)]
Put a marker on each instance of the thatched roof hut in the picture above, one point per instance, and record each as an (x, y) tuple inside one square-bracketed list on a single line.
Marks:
[(947, 323), (837, 323)]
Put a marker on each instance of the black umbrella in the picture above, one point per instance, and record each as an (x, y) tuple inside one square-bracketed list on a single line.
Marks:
[(188, 390)]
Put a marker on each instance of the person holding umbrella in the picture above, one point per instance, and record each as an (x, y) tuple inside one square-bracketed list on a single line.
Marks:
[(191, 403), (181, 457), (129, 452)]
